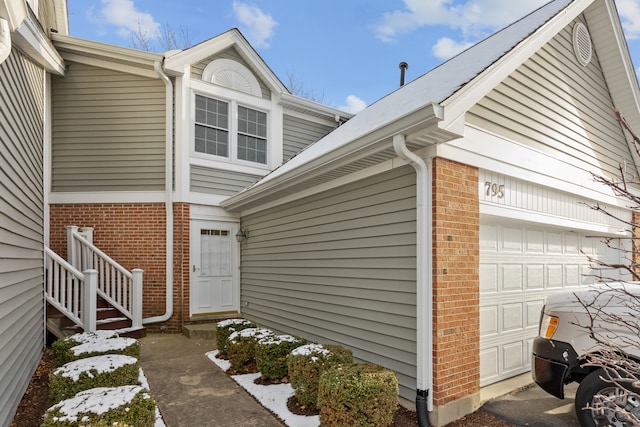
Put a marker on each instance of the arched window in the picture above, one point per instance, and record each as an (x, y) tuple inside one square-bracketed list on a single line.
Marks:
[(233, 75)]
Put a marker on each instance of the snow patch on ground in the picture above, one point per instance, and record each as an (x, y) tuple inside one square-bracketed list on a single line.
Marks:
[(273, 397)]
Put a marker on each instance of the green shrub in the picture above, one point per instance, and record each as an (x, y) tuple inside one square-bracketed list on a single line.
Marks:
[(271, 355), (241, 349), (61, 347), (110, 370), (225, 328), (363, 395), (90, 344), (105, 406), (307, 363)]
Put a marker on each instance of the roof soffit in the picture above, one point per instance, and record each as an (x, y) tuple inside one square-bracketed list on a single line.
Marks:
[(177, 62)]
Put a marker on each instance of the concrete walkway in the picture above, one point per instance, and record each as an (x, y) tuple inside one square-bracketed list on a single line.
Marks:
[(191, 390)]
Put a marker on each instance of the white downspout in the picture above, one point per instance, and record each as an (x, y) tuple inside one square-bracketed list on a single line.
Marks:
[(424, 286), (168, 190), (5, 40)]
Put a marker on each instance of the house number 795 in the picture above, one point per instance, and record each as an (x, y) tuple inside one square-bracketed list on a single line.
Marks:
[(494, 190)]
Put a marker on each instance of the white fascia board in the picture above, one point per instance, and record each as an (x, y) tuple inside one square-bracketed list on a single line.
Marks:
[(624, 91), (31, 40), (14, 11), (464, 99), (177, 62), (288, 100), (508, 157), (107, 56), (107, 197)]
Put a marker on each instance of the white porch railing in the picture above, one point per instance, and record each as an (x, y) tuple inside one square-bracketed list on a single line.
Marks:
[(70, 291), (118, 286)]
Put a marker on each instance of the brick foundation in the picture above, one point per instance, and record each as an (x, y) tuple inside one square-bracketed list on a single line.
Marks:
[(456, 282), (134, 236)]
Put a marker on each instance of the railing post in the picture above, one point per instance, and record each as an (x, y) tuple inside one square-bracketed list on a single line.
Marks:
[(90, 300), (87, 233), (136, 298), (72, 248)]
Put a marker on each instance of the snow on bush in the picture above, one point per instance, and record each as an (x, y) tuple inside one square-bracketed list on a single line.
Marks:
[(128, 405), (99, 371), (89, 344), (241, 348), (307, 363), (227, 327), (272, 353)]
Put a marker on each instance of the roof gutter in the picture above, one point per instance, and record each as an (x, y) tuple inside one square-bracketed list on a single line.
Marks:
[(424, 285), (363, 143), (168, 184)]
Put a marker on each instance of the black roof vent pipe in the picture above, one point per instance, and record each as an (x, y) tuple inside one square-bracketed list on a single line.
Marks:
[(403, 67)]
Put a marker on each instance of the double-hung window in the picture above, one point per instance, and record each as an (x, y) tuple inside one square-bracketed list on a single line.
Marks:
[(229, 130)]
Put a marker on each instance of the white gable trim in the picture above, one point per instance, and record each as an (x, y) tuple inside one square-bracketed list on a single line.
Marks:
[(177, 62), (465, 98)]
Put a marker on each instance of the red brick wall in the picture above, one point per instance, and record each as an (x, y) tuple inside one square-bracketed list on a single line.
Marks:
[(456, 283), (134, 236)]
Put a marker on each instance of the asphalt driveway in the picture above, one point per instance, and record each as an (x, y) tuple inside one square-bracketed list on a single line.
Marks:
[(534, 407)]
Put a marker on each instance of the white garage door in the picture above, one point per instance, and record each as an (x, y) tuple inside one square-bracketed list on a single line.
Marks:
[(519, 265)]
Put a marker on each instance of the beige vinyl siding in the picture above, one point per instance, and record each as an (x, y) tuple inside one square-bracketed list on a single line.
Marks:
[(21, 228), (340, 267), (230, 53), (220, 182), (108, 131), (554, 104), (299, 133)]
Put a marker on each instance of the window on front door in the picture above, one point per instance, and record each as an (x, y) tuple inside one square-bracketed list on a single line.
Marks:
[(229, 130)]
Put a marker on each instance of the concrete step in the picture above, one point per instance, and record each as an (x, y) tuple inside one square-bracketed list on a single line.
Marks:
[(206, 331)]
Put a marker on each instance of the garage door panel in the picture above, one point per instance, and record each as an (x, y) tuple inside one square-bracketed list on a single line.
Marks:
[(488, 278), (535, 276), (512, 240), (489, 320), (512, 316), (489, 362), (517, 271), (513, 355), (533, 312), (512, 277)]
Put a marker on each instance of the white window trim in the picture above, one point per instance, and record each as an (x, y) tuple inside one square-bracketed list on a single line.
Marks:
[(234, 99)]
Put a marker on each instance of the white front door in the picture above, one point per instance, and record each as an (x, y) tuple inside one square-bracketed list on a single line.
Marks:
[(214, 268)]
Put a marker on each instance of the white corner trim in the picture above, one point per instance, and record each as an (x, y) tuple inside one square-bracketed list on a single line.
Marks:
[(14, 12), (5, 40)]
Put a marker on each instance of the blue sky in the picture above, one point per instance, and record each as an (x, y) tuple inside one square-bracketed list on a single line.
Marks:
[(342, 52)]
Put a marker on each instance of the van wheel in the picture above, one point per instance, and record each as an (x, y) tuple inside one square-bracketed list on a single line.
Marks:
[(600, 402)]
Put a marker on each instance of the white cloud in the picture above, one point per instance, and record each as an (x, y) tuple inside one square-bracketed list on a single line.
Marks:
[(256, 25), (630, 16), (354, 105), (124, 15), (473, 17), (445, 48)]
